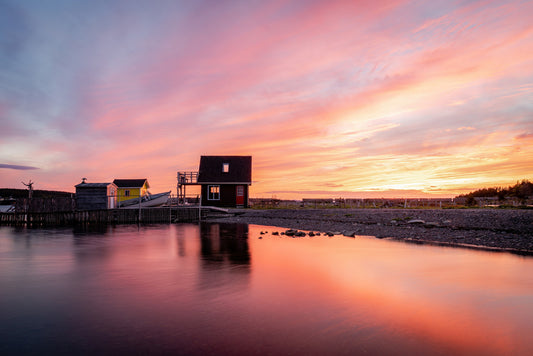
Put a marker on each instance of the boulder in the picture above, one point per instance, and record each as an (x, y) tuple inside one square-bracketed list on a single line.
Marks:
[(291, 232)]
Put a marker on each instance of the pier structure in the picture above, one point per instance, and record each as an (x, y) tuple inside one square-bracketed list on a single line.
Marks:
[(185, 179), (152, 215)]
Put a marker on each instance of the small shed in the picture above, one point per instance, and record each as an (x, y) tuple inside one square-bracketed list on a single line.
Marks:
[(96, 196), (131, 188), (225, 180)]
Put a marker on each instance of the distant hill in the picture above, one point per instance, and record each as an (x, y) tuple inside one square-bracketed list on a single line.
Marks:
[(8, 193), (521, 190)]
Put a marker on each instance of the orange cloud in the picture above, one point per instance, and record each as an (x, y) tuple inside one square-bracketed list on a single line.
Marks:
[(348, 95)]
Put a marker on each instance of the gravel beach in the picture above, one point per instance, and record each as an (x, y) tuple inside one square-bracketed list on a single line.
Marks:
[(494, 229)]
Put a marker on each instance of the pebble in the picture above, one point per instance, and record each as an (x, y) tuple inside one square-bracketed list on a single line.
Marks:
[(416, 221), (431, 224)]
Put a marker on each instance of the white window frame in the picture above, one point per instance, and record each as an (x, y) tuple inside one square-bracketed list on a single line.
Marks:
[(225, 167), (213, 195)]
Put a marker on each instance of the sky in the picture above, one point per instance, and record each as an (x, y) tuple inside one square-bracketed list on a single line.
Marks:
[(330, 98)]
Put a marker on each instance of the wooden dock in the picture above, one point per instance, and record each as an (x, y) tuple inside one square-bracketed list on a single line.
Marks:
[(109, 216)]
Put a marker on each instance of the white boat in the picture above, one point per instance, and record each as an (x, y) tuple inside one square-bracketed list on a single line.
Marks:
[(148, 200), (7, 208)]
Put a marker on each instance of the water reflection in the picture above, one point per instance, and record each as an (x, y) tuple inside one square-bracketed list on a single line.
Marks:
[(225, 256), (219, 289), (225, 243), (91, 229)]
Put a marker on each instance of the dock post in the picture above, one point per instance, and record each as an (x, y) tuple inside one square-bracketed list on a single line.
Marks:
[(200, 208)]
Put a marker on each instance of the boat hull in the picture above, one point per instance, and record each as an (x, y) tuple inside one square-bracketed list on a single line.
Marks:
[(147, 201)]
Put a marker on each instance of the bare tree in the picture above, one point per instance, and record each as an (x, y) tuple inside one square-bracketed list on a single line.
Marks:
[(30, 188)]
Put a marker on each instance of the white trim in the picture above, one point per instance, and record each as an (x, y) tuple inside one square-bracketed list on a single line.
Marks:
[(209, 192)]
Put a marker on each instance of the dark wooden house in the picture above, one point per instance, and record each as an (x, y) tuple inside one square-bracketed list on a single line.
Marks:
[(225, 180), (96, 196)]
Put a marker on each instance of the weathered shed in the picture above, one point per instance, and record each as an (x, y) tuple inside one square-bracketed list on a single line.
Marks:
[(96, 196)]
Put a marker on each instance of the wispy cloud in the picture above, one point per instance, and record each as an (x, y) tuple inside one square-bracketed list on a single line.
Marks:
[(17, 167), (339, 94), (525, 136)]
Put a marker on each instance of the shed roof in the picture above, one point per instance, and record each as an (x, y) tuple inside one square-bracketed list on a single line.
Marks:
[(211, 169), (131, 183), (93, 185)]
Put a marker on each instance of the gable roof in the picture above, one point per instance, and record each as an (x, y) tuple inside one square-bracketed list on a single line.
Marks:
[(131, 183), (211, 169)]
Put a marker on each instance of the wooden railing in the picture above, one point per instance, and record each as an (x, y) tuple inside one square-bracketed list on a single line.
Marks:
[(187, 178)]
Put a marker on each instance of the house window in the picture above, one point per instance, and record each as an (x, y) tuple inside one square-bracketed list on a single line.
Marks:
[(225, 167), (213, 192), (126, 193)]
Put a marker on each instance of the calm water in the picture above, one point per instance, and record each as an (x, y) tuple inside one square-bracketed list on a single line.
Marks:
[(219, 289)]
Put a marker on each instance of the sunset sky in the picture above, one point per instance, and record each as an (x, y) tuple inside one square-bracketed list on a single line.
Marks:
[(331, 98)]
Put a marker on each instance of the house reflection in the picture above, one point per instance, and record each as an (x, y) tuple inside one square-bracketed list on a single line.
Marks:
[(225, 243), (224, 255), (91, 245), (81, 230)]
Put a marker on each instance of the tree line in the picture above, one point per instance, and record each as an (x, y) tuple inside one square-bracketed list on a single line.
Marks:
[(11, 193), (521, 190)]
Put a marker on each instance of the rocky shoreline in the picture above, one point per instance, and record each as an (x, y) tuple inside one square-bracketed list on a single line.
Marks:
[(493, 229)]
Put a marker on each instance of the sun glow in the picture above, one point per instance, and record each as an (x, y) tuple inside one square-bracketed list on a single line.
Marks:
[(330, 98)]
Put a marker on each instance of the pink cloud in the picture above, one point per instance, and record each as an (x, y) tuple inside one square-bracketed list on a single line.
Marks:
[(525, 136), (302, 87)]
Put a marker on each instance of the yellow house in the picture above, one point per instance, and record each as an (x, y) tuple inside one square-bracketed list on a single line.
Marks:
[(130, 188)]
